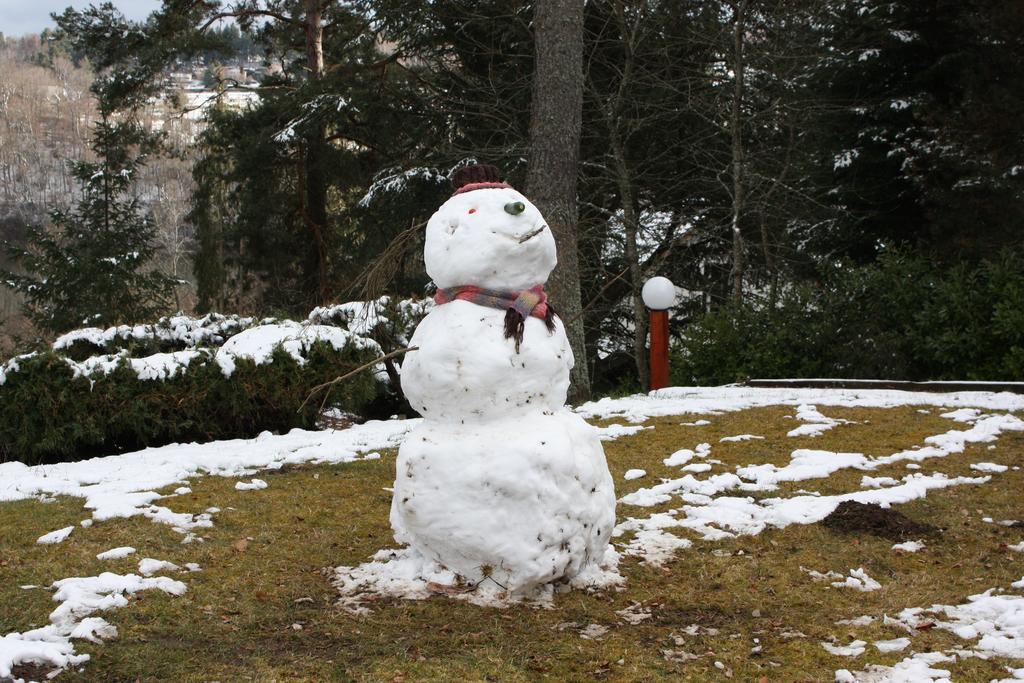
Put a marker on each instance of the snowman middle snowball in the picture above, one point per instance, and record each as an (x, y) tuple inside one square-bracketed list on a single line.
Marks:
[(500, 481)]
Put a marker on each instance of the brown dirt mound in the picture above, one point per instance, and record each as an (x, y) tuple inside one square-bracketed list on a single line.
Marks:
[(852, 517), (29, 672)]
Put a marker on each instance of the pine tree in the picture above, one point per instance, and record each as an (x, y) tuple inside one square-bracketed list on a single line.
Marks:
[(285, 220), (94, 265), (92, 268), (922, 147)]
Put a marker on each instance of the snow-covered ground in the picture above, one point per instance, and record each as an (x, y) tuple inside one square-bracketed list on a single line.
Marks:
[(126, 485), (712, 400), (705, 501)]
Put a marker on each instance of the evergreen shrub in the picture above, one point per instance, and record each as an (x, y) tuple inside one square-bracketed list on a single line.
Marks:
[(49, 414), (903, 318)]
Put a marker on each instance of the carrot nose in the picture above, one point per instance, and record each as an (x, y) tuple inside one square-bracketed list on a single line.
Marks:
[(515, 208)]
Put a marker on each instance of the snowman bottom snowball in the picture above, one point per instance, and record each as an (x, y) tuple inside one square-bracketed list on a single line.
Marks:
[(517, 503)]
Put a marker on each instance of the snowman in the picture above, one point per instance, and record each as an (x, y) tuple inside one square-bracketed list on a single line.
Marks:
[(500, 483)]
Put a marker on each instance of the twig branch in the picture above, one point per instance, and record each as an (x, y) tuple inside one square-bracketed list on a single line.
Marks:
[(596, 296), (243, 13), (364, 366)]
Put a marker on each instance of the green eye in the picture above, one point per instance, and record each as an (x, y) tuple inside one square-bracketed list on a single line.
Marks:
[(515, 208)]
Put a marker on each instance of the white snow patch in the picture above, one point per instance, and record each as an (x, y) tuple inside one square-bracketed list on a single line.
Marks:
[(116, 553), (867, 482), (680, 457), (996, 621), (13, 365), (614, 431), (804, 464), (655, 546), (815, 423), (254, 485), (57, 536), (985, 430), (394, 181), (819, 576), (909, 546), (963, 415), (904, 36), (854, 649), (632, 474), (894, 645), (159, 366), (79, 597), (858, 580), (739, 437), (914, 669), (844, 159), (148, 566), (988, 467), (655, 495)]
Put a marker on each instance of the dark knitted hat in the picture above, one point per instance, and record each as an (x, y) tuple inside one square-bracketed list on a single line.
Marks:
[(476, 177)]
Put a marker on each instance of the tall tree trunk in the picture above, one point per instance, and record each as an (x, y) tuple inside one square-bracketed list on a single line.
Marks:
[(627, 195), (315, 173), (631, 225), (735, 128), (769, 260), (556, 113)]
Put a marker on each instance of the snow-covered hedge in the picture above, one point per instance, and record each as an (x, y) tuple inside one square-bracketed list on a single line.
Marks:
[(50, 412), (386, 320), (174, 333), (189, 379)]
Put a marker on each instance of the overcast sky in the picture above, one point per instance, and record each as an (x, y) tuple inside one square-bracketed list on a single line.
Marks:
[(18, 17)]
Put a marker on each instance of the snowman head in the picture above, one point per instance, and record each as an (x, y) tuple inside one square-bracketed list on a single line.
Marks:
[(488, 235)]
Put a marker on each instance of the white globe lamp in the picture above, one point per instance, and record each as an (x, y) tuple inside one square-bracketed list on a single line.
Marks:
[(658, 293)]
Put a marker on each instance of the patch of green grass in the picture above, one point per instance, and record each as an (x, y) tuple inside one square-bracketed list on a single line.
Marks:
[(236, 622)]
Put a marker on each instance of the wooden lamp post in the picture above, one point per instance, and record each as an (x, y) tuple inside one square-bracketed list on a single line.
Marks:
[(659, 294)]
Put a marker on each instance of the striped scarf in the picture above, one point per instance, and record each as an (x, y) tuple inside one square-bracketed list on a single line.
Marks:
[(517, 306)]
